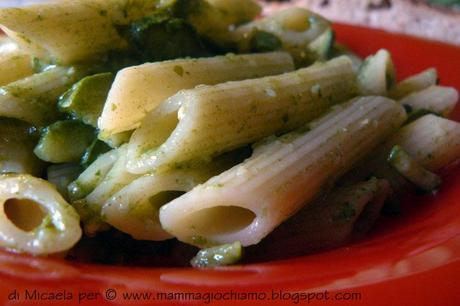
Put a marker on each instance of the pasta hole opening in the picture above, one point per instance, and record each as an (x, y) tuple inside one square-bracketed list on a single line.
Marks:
[(220, 220), (164, 197), (25, 214), (160, 131)]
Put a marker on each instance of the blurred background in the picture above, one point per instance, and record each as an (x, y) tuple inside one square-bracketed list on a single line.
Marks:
[(429, 19)]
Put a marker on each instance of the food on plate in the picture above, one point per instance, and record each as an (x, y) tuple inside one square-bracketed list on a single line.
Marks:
[(177, 125)]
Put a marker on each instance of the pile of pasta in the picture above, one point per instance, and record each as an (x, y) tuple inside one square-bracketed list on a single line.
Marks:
[(196, 120)]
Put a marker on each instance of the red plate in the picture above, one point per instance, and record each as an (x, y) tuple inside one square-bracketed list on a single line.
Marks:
[(413, 259)]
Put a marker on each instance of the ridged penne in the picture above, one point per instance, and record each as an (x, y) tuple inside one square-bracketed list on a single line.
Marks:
[(34, 218), (414, 83), (33, 99), (115, 179), (294, 27), (135, 208), (195, 125), (377, 74), (71, 31), (92, 176), (138, 90), (327, 222), (432, 141), (438, 99), (248, 201)]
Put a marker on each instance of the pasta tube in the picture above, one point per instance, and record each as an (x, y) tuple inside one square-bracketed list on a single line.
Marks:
[(92, 176), (377, 74), (140, 89), (414, 83), (438, 99), (432, 141), (33, 99), (135, 208), (248, 201), (294, 27), (114, 180), (71, 31), (327, 222), (34, 218), (195, 125)]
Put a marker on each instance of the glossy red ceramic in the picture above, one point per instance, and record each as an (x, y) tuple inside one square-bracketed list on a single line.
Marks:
[(413, 259)]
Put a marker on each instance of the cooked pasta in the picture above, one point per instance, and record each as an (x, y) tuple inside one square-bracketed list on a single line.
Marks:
[(414, 83), (437, 99), (198, 124), (377, 74), (135, 208), (138, 90), (34, 217), (291, 29), (176, 124), (247, 202), (33, 98)]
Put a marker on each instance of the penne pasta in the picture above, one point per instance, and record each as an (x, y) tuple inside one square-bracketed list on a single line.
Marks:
[(414, 83), (327, 222), (66, 32), (248, 201), (33, 99), (293, 27), (438, 99), (140, 89), (92, 176), (195, 125), (432, 141), (34, 218), (135, 208), (115, 179), (377, 74)]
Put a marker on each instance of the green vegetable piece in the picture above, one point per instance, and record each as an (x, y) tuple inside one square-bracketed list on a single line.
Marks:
[(64, 141), (62, 175), (17, 142), (413, 171), (85, 100), (262, 41), (93, 152), (163, 37), (224, 255)]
